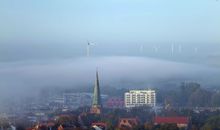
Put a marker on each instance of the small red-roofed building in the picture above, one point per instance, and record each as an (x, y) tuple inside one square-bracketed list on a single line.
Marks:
[(50, 125), (128, 122), (181, 122), (60, 127), (100, 125)]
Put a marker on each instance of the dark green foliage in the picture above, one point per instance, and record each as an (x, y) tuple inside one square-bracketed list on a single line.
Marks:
[(215, 100), (199, 98), (186, 90), (139, 127), (20, 127), (67, 119), (167, 127), (189, 95), (213, 123)]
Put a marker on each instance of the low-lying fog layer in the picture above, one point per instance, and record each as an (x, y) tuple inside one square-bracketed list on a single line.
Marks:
[(133, 72)]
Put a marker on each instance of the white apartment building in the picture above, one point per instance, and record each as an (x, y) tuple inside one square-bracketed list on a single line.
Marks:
[(136, 98)]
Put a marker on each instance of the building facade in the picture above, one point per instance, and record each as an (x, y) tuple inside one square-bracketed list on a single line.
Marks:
[(115, 102), (137, 98), (128, 123)]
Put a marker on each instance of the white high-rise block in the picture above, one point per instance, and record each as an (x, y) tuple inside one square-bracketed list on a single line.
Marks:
[(137, 98)]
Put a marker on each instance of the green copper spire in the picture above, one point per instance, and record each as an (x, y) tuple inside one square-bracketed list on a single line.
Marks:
[(96, 95)]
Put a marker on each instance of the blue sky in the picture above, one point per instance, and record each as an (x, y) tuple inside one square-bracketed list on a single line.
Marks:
[(110, 20), (56, 27)]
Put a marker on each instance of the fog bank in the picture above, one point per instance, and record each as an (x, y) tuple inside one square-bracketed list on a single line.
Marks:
[(21, 78)]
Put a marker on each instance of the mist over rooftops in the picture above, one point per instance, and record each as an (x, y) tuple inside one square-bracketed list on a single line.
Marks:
[(117, 71)]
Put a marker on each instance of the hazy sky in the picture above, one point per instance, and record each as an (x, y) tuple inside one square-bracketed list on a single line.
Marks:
[(31, 29), (110, 20)]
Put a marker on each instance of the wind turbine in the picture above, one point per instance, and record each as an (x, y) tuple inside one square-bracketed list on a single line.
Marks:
[(195, 49), (88, 48), (180, 48), (172, 49), (141, 49), (156, 49)]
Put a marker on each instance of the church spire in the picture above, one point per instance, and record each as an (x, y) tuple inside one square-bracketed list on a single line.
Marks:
[(96, 102), (96, 94)]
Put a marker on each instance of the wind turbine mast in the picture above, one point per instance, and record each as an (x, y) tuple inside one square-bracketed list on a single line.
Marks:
[(141, 49), (180, 48), (88, 49), (172, 49)]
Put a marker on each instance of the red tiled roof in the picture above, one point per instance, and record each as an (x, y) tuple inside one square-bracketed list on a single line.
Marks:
[(176, 120), (99, 124), (50, 124), (128, 121)]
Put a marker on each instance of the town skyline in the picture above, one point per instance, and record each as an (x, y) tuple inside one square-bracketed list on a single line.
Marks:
[(109, 65)]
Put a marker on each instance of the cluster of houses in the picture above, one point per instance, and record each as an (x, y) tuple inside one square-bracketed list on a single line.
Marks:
[(123, 124)]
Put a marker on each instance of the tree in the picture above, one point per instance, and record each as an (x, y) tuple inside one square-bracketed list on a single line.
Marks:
[(138, 127), (67, 119), (148, 126), (199, 98), (4, 123), (186, 90), (215, 100), (169, 127), (213, 123)]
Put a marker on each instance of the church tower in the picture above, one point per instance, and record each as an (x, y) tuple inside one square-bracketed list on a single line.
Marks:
[(96, 102)]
